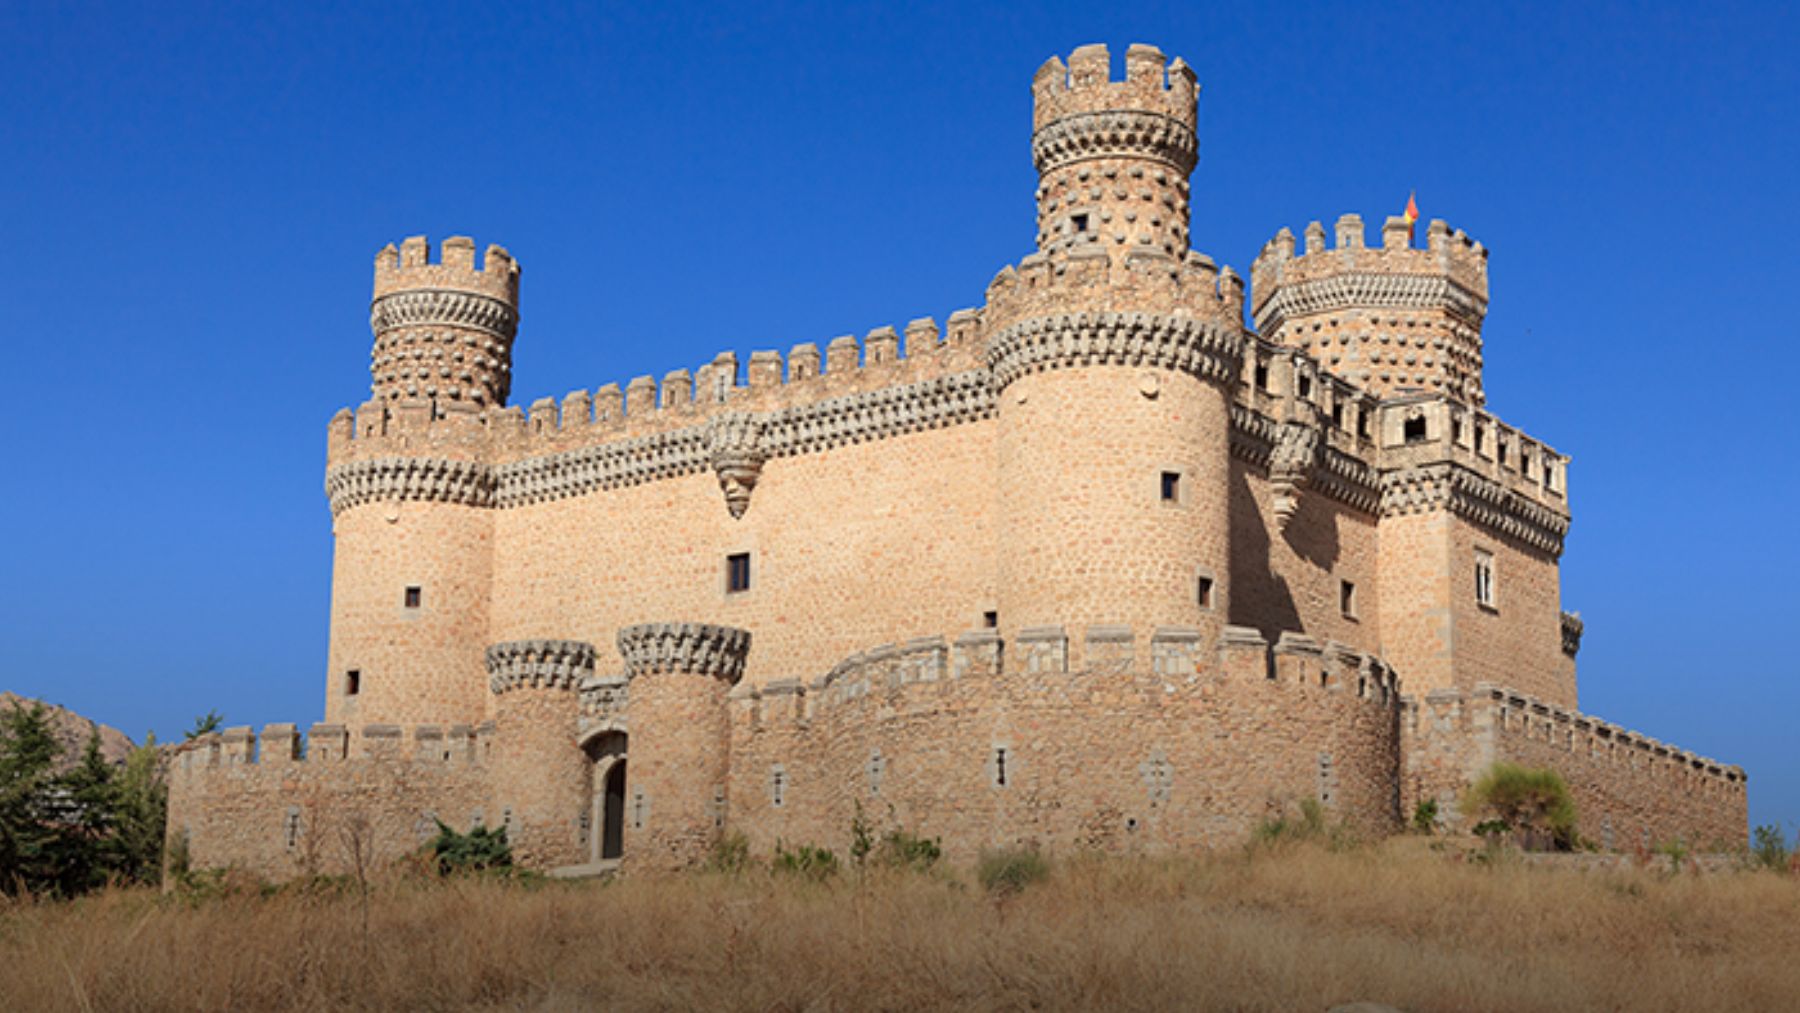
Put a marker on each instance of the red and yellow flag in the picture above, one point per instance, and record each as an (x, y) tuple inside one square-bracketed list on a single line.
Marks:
[(1412, 214)]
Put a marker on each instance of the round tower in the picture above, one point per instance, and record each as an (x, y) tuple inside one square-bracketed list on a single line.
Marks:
[(540, 778), (680, 739), (1393, 319), (1113, 348), (444, 331), (411, 483)]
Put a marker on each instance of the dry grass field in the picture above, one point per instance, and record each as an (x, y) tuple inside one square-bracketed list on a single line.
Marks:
[(1299, 927)]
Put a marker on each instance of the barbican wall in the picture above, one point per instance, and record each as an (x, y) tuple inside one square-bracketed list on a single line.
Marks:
[(1629, 789), (1159, 743), (277, 810)]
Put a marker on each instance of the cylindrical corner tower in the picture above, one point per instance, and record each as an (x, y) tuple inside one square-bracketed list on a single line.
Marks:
[(541, 780), (1112, 351), (444, 331), (679, 675)]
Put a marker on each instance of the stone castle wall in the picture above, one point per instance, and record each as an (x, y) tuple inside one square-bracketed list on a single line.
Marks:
[(1629, 790), (1157, 744), (277, 812)]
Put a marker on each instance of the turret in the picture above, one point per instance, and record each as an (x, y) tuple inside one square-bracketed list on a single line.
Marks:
[(1113, 157), (680, 746), (443, 331), (1392, 319)]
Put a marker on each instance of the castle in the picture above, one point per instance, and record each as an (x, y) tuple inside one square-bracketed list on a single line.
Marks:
[(1094, 565)]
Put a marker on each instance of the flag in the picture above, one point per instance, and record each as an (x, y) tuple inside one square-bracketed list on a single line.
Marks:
[(1412, 214)]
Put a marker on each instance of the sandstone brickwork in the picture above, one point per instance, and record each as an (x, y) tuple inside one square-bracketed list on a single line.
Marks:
[(1147, 575)]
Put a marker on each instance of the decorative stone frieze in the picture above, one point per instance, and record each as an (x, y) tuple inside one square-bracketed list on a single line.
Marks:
[(1370, 291), (429, 479), (425, 307), (1252, 436), (735, 449), (649, 458), (1182, 344), (539, 664), (1450, 487), (1115, 133), (700, 648), (1571, 633), (879, 414)]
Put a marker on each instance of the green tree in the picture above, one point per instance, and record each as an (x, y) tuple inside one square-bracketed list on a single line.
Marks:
[(142, 815), (84, 815), (28, 752), (205, 724)]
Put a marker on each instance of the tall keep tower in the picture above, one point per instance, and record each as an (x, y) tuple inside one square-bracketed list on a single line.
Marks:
[(1392, 319), (444, 331), (1113, 348), (412, 494)]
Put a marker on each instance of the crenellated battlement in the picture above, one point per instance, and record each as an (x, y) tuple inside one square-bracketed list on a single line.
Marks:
[(1085, 86), (409, 267), (282, 744), (1083, 277), (1394, 318), (1176, 656), (709, 417)]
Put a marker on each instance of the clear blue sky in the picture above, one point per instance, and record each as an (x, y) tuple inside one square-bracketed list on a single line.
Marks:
[(193, 196)]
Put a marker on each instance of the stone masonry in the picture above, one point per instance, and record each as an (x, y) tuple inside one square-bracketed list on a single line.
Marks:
[(1096, 564)]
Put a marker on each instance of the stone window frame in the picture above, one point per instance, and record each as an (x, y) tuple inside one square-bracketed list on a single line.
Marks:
[(726, 574), (1002, 765), (1487, 579), (1206, 590), (1182, 487), (779, 783), (412, 598), (1347, 600), (352, 684)]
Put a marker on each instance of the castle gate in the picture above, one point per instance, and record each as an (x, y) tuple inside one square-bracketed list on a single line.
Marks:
[(605, 749)]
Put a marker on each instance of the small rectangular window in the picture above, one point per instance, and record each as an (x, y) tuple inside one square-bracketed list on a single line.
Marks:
[(352, 682), (991, 620), (737, 572), (1337, 416), (1078, 223), (1171, 486), (1484, 578), (1205, 595), (1306, 386), (1262, 376), (1347, 598), (1414, 430), (414, 597), (1362, 424)]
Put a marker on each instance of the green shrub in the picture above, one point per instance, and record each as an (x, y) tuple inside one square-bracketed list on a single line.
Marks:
[(1768, 847), (730, 855), (1010, 870), (901, 850), (1311, 825), (1533, 804), (478, 850), (1425, 816), (806, 861)]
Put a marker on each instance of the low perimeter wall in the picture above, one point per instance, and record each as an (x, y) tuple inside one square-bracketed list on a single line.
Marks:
[(1629, 790), (1162, 743), (264, 807)]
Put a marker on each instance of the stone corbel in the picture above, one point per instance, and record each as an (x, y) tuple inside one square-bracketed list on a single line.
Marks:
[(1291, 463), (734, 443)]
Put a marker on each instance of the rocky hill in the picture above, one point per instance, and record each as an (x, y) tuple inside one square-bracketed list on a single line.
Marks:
[(72, 730)]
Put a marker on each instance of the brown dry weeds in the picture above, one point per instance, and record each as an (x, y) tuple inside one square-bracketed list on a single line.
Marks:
[(1299, 928)]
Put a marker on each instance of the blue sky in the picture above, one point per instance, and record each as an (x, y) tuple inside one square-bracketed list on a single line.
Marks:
[(194, 194)]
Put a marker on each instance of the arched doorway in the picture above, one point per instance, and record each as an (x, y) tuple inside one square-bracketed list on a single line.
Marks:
[(606, 751)]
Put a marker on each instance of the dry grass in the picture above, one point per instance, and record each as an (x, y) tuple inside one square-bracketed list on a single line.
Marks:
[(1295, 928)]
